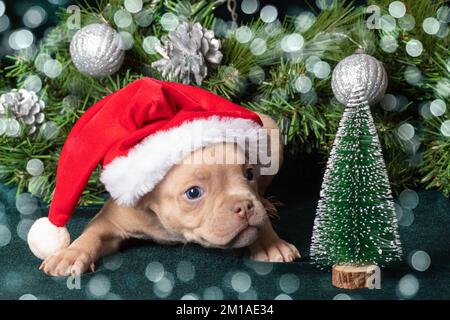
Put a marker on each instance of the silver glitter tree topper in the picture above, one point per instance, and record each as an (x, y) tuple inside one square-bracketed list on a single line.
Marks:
[(359, 70)]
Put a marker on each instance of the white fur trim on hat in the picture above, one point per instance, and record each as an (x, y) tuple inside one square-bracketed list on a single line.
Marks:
[(130, 177), (45, 239)]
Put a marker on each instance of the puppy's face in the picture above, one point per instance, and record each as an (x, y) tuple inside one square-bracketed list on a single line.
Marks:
[(210, 201)]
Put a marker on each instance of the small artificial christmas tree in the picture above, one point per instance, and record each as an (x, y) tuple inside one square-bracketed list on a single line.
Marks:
[(356, 225)]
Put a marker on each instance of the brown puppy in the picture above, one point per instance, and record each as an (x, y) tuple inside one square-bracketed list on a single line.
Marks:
[(215, 205)]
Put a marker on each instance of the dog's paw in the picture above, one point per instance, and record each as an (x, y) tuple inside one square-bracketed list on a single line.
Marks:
[(67, 262), (276, 250)]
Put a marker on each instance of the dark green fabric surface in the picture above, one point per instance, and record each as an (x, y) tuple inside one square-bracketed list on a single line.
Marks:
[(429, 232)]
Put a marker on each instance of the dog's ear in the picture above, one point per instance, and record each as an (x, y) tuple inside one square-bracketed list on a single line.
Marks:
[(146, 203), (271, 207)]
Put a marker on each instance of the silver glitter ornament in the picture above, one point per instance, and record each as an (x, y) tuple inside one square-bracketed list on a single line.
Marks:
[(187, 53), (362, 70), (97, 50), (24, 106)]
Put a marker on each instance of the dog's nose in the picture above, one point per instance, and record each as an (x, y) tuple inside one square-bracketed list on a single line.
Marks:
[(243, 208)]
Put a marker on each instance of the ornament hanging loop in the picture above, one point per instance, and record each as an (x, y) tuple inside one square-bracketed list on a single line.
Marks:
[(231, 6)]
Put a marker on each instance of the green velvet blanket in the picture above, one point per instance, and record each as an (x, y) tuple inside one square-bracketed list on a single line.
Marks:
[(151, 271)]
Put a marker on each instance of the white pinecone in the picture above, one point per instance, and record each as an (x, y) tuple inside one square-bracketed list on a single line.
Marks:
[(187, 53), (23, 106)]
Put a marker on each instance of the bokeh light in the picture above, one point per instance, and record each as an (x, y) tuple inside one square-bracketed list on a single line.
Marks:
[(185, 271), (163, 288), (443, 14), (113, 262), (126, 40), (26, 204), (260, 268), (443, 30), (406, 131), (2, 8), (28, 296), (268, 13), (5, 235), (409, 199), (144, 18), (12, 128), (397, 9), (241, 281), (342, 296), (289, 283), (283, 296), (123, 18), (407, 218), (389, 102), (35, 167), (258, 46), (52, 68), (445, 128), (190, 296), (292, 42), (99, 286), (311, 62), (443, 87), (34, 17), (321, 69), (154, 271), (149, 44), (414, 48), (402, 103), (169, 21), (249, 6), (325, 4), (407, 23), (387, 23), (431, 25), (50, 130), (243, 34), (33, 83), (303, 84), (438, 107), (419, 260), (256, 75), (388, 43), (4, 23), (304, 21), (309, 98), (413, 75), (23, 227), (37, 185), (408, 286), (133, 6), (21, 39)]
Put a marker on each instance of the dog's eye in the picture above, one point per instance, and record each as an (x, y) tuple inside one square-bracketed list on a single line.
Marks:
[(194, 193), (249, 174)]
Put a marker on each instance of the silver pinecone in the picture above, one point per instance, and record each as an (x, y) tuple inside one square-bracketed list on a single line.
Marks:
[(23, 106), (187, 53)]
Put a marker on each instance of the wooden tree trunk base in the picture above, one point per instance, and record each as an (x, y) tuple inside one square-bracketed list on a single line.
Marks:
[(352, 277)]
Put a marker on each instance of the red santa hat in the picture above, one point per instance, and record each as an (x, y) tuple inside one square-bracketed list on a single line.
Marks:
[(137, 134)]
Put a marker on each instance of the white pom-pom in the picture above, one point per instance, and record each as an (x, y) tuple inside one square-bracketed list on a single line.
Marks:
[(45, 239)]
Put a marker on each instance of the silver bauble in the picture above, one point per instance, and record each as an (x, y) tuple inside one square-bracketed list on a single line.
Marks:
[(361, 71), (96, 50)]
